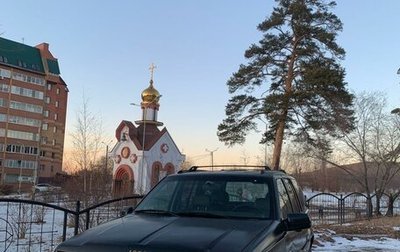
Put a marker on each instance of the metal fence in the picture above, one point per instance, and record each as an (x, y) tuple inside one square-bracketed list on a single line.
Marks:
[(327, 208), (33, 225), (28, 225)]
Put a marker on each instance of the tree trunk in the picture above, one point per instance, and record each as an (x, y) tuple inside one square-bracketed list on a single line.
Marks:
[(378, 197), (369, 205), (278, 145), (389, 212), (280, 130)]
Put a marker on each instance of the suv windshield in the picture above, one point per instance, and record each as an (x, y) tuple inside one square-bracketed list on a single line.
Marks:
[(221, 196)]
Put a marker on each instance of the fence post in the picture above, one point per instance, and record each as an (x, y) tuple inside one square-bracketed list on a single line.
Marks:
[(77, 215), (64, 235), (87, 219), (341, 210)]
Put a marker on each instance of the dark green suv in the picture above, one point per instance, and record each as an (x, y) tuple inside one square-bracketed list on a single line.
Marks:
[(233, 209)]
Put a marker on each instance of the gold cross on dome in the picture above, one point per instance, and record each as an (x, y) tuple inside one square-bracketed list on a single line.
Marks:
[(151, 68)]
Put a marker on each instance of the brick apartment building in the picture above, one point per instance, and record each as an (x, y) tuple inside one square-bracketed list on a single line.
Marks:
[(33, 105)]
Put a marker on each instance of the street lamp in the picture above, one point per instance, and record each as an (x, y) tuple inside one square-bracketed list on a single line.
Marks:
[(212, 157), (396, 111), (21, 150)]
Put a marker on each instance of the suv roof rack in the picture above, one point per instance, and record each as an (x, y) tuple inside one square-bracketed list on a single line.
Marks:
[(232, 168)]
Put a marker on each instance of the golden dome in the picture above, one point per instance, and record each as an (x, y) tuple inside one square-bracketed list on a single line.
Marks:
[(150, 94)]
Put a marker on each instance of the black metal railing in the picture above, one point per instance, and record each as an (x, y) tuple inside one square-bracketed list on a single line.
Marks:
[(328, 208), (31, 225)]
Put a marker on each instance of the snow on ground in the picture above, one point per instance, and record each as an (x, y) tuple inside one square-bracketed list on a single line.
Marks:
[(40, 236), (328, 241)]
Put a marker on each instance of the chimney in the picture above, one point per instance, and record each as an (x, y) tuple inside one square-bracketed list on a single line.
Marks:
[(43, 46), (44, 50)]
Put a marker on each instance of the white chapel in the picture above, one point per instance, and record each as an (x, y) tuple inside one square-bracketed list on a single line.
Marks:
[(143, 154)]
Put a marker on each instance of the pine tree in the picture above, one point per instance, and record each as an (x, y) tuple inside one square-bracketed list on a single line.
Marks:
[(293, 78)]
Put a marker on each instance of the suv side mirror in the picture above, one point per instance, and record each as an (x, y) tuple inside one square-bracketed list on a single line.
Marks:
[(125, 211), (297, 221)]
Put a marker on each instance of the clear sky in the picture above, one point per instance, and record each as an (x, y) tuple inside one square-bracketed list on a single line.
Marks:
[(105, 49)]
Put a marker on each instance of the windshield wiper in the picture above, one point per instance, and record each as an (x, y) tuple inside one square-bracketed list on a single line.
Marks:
[(156, 211), (200, 214)]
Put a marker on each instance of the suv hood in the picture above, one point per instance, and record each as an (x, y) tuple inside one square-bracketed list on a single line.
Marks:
[(147, 232)]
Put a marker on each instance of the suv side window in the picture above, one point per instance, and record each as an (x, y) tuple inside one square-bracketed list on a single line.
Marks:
[(284, 202), (292, 196), (300, 194)]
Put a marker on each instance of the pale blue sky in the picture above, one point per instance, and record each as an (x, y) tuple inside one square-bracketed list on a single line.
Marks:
[(106, 47)]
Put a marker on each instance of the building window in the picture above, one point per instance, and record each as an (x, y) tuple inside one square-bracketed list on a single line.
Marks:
[(12, 148), (53, 155), (4, 88), (30, 79), (54, 141), (43, 153), (11, 178), (5, 73), (3, 102), (52, 168), (18, 163), (55, 116), (27, 92), (26, 107), (57, 104), (20, 120), (58, 90), (22, 135), (45, 126), (47, 99), (43, 140), (46, 113), (42, 167), (48, 86), (55, 129)]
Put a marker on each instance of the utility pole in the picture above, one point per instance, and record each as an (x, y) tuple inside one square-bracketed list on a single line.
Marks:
[(212, 157), (106, 166), (106, 157)]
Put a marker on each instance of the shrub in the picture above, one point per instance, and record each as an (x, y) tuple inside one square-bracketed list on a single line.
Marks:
[(6, 189)]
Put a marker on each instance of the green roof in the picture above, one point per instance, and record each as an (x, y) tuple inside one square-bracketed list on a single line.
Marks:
[(53, 66), (21, 55)]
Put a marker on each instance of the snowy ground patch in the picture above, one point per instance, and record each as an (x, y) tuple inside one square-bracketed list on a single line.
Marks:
[(327, 240)]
